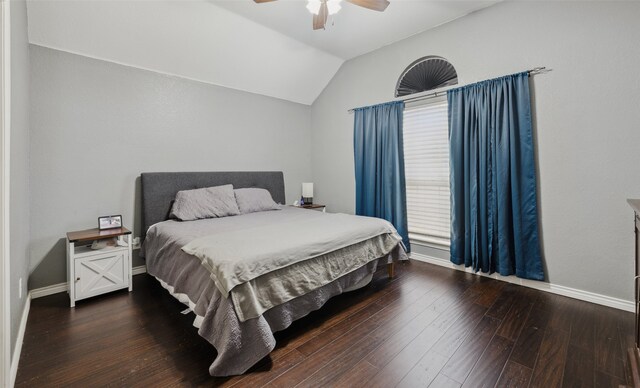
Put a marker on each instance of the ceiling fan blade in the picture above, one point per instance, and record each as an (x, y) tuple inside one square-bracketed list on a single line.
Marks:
[(375, 5), (263, 1), (320, 19)]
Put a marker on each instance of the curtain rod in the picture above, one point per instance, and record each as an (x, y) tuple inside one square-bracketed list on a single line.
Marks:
[(438, 93)]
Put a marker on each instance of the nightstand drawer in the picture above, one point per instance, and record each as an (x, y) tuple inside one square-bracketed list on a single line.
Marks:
[(100, 273)]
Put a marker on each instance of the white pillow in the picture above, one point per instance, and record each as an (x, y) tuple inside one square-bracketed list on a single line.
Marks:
[(253, 200), (209, 202)]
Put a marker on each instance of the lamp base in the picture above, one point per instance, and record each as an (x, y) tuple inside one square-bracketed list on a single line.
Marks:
[(308, 200)]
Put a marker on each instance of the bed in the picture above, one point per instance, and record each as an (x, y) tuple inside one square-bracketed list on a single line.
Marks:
[(282, 264)]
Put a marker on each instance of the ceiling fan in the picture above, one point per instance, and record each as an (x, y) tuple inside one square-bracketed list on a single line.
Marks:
[(321, 9)]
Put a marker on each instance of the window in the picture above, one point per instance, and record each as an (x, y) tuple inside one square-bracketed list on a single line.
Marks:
[(426, 157), (426, 73)]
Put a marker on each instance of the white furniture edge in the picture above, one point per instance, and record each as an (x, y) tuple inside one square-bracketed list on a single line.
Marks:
[(15, 360), (587, 296), (5, 174), (63, 287)]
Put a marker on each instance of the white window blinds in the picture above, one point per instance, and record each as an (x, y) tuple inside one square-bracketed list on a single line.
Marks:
[(426, 158)]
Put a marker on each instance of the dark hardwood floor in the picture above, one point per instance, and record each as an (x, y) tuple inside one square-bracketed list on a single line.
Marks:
[(430, 326)]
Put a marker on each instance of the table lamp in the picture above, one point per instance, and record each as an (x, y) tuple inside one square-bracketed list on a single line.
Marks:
[(307, 193)]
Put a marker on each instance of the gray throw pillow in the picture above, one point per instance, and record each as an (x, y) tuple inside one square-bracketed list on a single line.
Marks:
[(210, 202), (255, 200)]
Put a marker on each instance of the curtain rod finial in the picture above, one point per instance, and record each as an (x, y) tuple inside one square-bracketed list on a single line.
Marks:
[(539, 70)]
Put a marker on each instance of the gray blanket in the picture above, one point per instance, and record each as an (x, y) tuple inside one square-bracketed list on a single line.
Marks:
[(263, 266), (239, 344)]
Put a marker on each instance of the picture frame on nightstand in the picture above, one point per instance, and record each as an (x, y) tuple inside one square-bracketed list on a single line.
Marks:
[(109, 222)]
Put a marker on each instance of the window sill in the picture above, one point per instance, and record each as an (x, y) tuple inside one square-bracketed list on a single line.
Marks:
[(431, 245), (429, 241)]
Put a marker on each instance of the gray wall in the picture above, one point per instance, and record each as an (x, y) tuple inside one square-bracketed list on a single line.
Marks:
[(587, 130), (19, 196), (97, 125)]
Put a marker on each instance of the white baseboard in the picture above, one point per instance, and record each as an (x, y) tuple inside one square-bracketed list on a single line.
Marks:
[(15, 359), (63, 287), (139, 270), (575, 293), (621, 304), (48, 290)]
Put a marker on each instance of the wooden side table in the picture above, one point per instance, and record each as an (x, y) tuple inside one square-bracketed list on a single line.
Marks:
[(315, 206), (92, 272)]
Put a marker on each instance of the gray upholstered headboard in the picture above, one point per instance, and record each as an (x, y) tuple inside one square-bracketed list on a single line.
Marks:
[(159, 189)]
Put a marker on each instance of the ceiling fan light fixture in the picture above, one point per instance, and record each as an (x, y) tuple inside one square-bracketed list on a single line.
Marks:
[(314, 6), (322, 9), (333, 6)]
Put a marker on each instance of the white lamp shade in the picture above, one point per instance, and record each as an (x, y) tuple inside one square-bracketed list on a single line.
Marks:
[(307, 190)]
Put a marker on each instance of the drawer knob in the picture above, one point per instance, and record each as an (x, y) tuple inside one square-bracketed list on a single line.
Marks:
[(78, 279)]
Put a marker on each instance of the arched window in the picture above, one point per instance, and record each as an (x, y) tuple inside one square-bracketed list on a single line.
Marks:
[(426, 152), (426, 73)]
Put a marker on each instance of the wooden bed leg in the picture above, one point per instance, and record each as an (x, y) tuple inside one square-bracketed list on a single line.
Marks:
[(391, 267)]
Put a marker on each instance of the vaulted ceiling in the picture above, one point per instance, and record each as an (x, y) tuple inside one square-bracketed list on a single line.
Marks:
[(268, 48)]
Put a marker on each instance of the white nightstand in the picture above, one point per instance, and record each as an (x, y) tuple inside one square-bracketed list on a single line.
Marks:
[(92, 272)]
